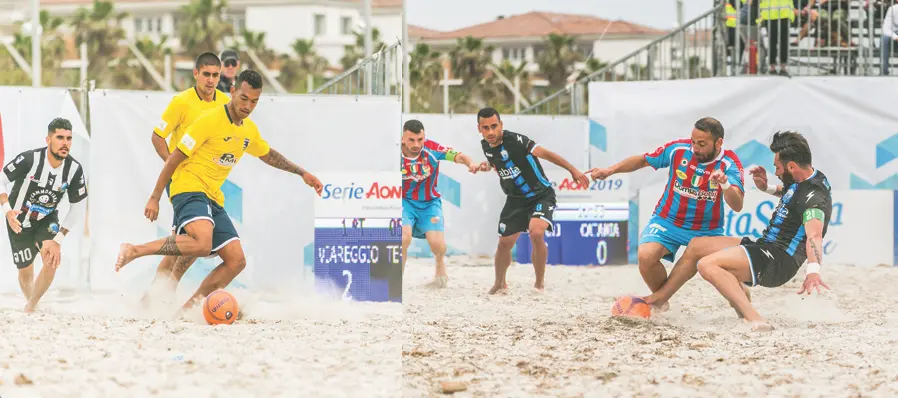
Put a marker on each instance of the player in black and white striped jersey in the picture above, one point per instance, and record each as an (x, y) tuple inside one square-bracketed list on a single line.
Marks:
[(40, 179)]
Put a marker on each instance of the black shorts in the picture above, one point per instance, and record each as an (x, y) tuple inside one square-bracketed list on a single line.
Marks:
[(770, 265), (193, 206), (27, 244), (516, 214)]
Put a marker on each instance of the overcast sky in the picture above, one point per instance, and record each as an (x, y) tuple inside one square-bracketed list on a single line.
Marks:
[(447, 15)]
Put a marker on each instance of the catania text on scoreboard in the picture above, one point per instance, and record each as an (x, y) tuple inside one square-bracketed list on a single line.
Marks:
[(352, 191)]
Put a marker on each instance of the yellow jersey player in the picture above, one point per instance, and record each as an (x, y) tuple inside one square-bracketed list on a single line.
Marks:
[(211, 146), (183, 109)]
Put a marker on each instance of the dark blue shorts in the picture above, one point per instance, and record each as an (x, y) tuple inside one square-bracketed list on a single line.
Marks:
[(193, 206)]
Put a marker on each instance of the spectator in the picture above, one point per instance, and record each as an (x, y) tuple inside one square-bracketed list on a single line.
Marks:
[(834, 14), (889, 36), (776, 16), (806, 16), (751, 32), (230, 63)]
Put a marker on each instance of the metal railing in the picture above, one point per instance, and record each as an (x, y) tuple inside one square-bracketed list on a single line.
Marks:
[(833, 38), (379, 74), (685, 53)]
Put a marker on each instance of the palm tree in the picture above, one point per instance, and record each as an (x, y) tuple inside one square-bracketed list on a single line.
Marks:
[(205, 28), (52, 48), (354, 53), (296, 68), (559, 59), (130, 74), (504, 98), (256, 41), (469, 60), (425, 71), (99, 27)]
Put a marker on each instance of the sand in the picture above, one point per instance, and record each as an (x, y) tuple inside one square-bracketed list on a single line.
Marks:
[(93, 346), (563, 343)]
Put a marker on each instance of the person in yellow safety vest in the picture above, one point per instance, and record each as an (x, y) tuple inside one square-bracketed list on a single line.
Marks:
[(777, 16), (731, 15)]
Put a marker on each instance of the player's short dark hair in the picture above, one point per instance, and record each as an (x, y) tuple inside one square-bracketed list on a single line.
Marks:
[(207, 59), (251, 77), (792, 147), (711, 126), (486, 113), (415, 126), (59, 123)]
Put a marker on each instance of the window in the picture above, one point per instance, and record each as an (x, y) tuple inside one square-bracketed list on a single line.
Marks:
[(138, 25), (346, 25), (319, 25), (159, 25)]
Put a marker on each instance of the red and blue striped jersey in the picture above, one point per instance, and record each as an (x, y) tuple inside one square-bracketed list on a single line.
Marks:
[(690, 199), (420, 174)]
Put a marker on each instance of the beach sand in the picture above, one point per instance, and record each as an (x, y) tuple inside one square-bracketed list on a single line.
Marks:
[(94, 346), (563, 343)]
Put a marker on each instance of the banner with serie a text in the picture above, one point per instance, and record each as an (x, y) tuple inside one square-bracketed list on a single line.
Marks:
[(272, 210), (25, 113), (358, 236)]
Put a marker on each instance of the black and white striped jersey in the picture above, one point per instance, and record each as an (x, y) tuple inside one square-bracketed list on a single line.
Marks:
[(38, 188)]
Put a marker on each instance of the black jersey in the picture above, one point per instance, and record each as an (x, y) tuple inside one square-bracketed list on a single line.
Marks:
[(38, 188), (786, 228), (520, 173)]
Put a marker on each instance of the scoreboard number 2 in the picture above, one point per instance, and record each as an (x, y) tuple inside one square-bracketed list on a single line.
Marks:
[(348, 276)]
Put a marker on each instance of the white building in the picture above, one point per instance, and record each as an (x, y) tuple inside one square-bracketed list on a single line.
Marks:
[(519, 38), (330, 23)]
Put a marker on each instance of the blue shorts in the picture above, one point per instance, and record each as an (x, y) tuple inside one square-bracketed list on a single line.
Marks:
[(193, 206), (671, 236), (423, 217)]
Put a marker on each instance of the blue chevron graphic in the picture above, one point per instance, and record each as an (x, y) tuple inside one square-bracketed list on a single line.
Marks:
[(308, 255), (754, 153), (233, 200), (450, 189), (421, 249), (598, 136), (886, 151)]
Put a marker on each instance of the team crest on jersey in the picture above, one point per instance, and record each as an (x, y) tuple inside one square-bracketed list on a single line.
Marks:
[(53, 228), (227, 160), (681, 174), (696, 181), (504, 154), (245, 143)]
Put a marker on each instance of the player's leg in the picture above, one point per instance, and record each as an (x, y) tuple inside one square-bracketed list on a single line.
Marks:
[(26, 279), (182, 264), (686, 266), (23, 253), (729, 269), (227, 246), (409, 217), (430, 223), (514, 219), (194, 214), (655, 242), (44, 231), (540, 222)]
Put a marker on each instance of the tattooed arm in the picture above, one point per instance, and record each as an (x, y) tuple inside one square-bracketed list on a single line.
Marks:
[(275, 159), (813, 219)]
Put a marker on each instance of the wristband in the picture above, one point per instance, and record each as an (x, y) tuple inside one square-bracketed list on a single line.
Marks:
[(771, 189), (58, 238), (813, 268), (6, 208), (725, 185)]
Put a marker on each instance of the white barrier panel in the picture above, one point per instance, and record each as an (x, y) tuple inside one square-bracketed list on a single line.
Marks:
[(25, 114), (849, 123), (272, 209), (860, 232), (358, 236), (471, 203)]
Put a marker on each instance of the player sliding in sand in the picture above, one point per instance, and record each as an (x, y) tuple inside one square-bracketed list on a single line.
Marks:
[(422, 206), (795, 234), (530, 201), (210, 147), (702, 176)]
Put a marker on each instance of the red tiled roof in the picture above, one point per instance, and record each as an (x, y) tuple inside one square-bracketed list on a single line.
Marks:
[(538, 24), (419, 32)]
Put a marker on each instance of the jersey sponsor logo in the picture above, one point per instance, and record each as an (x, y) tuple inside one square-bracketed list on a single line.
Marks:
[(356, 192), (507, 174), (681, 174), (697, 194), (226, 139), (227, 160), (789, 193), (188, 142), (11, 168), (713, 184), (19, 159), (53, 228), (82, 190)]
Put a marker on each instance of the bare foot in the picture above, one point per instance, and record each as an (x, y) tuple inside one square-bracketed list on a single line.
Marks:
[(499, 289), (540, 286), (29, 308), (760, 326), (125, 255), (439, 282)]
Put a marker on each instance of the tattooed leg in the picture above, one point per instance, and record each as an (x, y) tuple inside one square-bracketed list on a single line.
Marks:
[(180, 268), (197, 243)]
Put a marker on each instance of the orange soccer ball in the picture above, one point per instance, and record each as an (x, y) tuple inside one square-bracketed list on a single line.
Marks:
[(220, 308), (631, 306)]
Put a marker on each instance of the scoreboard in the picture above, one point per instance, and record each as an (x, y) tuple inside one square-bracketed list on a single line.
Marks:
[(358, 237)]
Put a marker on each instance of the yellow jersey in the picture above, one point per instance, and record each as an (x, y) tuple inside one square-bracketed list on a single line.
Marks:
[(213, 145), (183, 109)]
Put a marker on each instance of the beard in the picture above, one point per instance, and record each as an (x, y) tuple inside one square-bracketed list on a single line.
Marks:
[(787, 178), (57, 156)]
